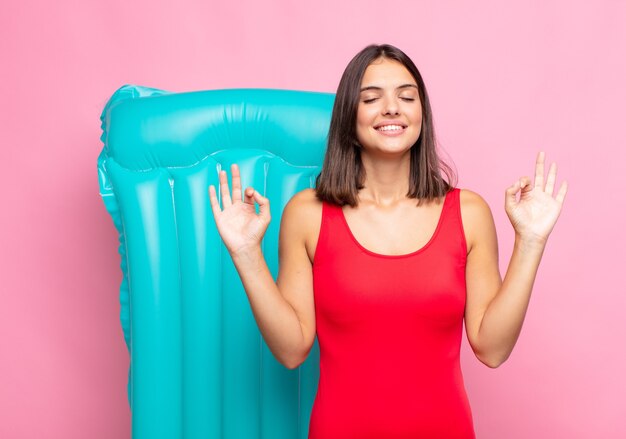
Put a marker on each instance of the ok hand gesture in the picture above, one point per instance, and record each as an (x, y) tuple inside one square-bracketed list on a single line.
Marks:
[(240, 227), (535, 214)]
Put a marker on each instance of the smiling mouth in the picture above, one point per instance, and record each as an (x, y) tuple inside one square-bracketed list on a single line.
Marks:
[(390, 128)]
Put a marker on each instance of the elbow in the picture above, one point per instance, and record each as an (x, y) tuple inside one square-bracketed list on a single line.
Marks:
[(492, 361), (491, 358), (292, 364), (492, 364), (292, 361), (296, 360)]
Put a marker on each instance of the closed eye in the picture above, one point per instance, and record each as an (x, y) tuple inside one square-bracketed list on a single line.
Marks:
[(369, 101)]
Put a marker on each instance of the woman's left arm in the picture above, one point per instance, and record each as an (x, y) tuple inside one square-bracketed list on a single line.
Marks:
[(495, 308)]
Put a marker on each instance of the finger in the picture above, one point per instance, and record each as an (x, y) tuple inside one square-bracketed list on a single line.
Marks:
[(226, 201), (511, 193), (525, 184), (560, 196), (249, 195), (264, 205), (551, 179), (234, 170), (215, 204), (539, 169)]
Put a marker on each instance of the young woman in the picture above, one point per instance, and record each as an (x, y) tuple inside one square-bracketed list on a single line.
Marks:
[(384, 260)]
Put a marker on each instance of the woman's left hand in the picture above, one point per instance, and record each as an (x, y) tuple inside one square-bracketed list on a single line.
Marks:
[(535, 214)]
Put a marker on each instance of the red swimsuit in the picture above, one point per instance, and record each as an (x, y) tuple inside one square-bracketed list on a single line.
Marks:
[(389, 329)]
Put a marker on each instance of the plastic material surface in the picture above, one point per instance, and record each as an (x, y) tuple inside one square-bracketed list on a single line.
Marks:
[(199, 366)]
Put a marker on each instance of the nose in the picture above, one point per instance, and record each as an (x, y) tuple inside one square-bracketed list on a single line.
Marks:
[(391, 107)]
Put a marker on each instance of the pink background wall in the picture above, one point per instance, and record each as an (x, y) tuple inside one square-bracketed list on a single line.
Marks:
[(505, 81)]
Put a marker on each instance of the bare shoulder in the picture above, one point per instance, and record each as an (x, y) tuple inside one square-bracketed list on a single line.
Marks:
[(304, 212), (476, 216), (472, 200), (306, 196), (303, 205)]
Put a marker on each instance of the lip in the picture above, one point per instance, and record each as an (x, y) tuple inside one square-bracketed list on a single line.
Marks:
[(390, 122), (391, 133)]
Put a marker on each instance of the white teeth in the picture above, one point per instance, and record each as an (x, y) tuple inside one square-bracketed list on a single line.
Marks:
[(389, 128)]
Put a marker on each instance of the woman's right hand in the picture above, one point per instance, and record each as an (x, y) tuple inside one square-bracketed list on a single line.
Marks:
[(238, 224)]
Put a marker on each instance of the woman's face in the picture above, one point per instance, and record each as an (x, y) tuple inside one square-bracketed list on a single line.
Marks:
[(389, 115)]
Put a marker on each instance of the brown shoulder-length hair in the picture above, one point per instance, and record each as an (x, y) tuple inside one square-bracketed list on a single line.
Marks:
[(342, 174)]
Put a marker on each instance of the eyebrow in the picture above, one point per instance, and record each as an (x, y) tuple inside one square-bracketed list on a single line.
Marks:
[(373, 87)]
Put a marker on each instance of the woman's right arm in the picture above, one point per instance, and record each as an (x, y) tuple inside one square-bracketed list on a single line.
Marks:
[(284, 311)]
